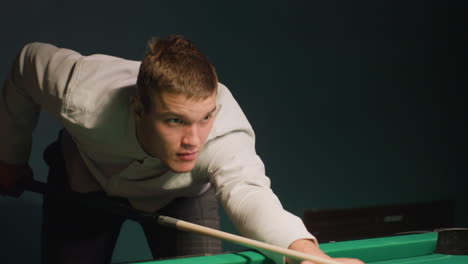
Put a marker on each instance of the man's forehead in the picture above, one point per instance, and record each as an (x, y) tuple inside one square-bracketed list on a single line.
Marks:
[(180, 103)]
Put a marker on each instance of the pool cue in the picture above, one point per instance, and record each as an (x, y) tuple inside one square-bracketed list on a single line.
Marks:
[(240, 240), (141, 216)]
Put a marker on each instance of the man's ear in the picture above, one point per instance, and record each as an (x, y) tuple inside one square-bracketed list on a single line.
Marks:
[(136, 106)]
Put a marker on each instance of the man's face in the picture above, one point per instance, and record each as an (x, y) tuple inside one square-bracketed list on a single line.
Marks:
[(175, 129)]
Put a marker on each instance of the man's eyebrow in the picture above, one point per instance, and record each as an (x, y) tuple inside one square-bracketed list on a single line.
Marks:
[(170, 113), (213, 110)]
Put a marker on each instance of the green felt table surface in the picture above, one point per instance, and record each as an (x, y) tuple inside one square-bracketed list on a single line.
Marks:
[(414, 249), (405, 249)]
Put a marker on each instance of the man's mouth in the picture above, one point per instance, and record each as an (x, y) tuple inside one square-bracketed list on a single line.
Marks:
[(187, 156)]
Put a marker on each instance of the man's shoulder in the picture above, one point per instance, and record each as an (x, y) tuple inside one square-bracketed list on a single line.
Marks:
[(99, 91), (101, 84), (38, 47), (230, 117), (91, 62)]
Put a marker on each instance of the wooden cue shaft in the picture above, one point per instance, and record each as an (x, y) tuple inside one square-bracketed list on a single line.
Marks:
[(137, 215), (251, 243)]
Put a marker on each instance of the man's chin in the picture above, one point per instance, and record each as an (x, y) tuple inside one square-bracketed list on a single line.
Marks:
[(181, 168), (180, 171)]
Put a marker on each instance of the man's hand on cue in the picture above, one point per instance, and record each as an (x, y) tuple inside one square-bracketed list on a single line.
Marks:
[(309, 247)]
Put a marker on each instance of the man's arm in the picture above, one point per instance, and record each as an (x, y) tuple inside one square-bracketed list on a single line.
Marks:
[(242, 187), (18, 111), (38, 77), (255, 210), (238, 174)]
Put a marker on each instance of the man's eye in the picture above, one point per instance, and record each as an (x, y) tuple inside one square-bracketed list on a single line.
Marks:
[(174, 121), (207, 117)]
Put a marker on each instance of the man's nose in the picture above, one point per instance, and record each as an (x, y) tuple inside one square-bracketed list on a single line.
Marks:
[(191, 136)]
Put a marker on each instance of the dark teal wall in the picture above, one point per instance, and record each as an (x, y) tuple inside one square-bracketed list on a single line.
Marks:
[(354, 103)]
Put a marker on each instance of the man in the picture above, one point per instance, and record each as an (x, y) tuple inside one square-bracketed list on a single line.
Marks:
[(161, 134)]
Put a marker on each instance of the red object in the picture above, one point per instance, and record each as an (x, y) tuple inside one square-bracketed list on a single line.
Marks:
[(10, 177)]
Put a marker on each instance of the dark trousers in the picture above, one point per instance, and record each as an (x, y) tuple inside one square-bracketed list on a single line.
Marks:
[(72, 233)]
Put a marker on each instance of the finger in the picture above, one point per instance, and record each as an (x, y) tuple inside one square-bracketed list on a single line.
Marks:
[(349, 260)]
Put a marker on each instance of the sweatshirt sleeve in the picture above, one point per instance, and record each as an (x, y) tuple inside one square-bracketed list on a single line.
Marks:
[(242, 186), (38, 79)]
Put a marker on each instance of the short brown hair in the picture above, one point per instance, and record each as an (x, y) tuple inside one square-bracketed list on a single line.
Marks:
[(175, 65)]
